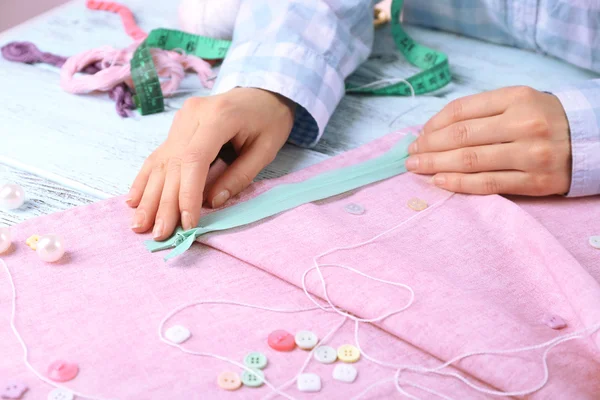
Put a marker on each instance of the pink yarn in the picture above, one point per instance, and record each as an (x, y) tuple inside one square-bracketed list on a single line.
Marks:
[(170, 65), (129, 24)]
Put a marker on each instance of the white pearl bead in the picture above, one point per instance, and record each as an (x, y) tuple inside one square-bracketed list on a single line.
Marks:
[(12, 196), (50, 248), (5, 239)]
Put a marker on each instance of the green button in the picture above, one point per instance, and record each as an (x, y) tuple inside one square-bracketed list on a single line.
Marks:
[(255, 360), (253, 379)]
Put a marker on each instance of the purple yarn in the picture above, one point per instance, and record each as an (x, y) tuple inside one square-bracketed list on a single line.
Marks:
[(28, 53), (123, 98)]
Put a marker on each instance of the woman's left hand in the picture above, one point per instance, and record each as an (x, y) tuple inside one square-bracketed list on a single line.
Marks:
[(513, 140)]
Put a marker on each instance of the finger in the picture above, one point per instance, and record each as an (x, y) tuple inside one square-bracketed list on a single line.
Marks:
[(167, 215), (479, 105), (203, 148), (183, 123), (143, 219), (497, 157), (501, 182), (474, 132), (242, 172), (138, 185)]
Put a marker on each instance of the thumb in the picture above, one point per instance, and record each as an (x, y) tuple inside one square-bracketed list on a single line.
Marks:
[(242, 172)]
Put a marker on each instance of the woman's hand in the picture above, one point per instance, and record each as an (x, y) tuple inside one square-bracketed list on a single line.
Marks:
[(513, 140), (170, 185)]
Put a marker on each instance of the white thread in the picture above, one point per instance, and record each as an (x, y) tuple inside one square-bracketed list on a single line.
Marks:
[(384, 82), (428, 390), (412, 293), (371, 387), (24, 346), (332, 308), (187, 91), (324, 284)]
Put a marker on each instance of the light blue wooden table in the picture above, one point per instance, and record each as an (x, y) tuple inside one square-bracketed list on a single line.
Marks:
[(68, 150)]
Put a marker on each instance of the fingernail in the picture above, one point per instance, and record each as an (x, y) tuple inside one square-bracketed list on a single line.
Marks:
[(186, 220), (220, 199), (439, 180), (412, 149), (412, 163), (138, 219), (159, 227), (130, 196)]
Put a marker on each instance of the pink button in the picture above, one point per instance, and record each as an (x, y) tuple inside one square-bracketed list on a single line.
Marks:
[(62, 371), (281, 340), (554, 321)]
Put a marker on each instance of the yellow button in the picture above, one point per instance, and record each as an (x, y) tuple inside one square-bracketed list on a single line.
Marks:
[(417, 204), (33, 241), (348, 353)]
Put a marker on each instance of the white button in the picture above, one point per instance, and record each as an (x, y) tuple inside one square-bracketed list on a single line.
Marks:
[(60, 394), (309, 382), (325, 354), (177, 334), (595, 241), (354, 208), (345, 373), (306, 340)]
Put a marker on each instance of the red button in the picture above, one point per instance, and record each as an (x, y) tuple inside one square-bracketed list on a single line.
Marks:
[(62, 371), (281, 340)]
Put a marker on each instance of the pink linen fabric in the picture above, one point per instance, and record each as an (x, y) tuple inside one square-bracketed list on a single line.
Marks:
[(485, 271)]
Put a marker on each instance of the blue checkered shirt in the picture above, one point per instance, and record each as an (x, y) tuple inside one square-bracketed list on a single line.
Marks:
[(304, 50)]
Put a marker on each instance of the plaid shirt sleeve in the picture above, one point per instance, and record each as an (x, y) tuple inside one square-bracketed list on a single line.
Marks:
[(301, 49), (569, 30), (582, 106)]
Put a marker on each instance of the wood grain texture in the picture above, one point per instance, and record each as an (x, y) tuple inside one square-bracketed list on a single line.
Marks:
[(82, 140), (43, 196)]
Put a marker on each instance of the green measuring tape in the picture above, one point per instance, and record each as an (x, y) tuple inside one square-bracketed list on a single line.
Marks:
[(149, 97), (436, 71)]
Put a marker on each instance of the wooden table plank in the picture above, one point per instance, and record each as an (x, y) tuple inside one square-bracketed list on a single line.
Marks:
[(43, 196)]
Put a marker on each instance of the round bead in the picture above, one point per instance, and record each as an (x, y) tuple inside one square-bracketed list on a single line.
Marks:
[(5, 239), (12, 196), (50, 248)]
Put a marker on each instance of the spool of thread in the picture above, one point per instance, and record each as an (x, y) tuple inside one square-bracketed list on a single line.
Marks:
[(215, 19)]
